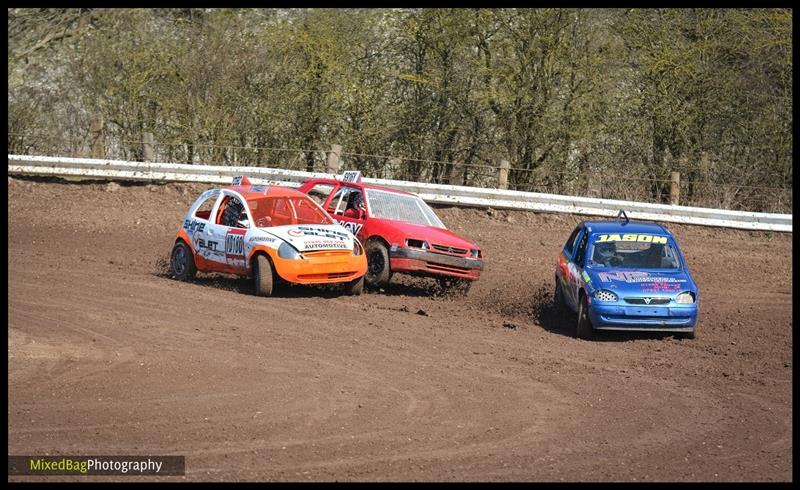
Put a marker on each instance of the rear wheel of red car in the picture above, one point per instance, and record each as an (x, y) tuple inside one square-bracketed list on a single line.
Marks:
[(262, 276), (182, 262), (354, 288), (584, 327), (378, 272)]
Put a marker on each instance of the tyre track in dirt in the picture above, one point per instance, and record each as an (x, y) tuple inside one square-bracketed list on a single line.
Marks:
[(107, 355)]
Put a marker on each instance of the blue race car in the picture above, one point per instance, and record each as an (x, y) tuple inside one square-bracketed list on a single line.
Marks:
[(623, 275)]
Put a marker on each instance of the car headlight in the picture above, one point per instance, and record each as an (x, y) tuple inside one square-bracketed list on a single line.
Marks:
[(605, 295), (475, 253), (357, 248), (686, 298), (286, 251), (412, 242)]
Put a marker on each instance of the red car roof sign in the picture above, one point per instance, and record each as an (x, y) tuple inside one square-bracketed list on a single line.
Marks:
[(351, 176)]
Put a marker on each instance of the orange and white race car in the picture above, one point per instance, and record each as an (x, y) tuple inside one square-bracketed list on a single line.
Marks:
[(269, 233)]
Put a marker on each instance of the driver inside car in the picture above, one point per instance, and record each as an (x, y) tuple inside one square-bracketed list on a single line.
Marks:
[(355, 206), (606, 254), (235, 215)]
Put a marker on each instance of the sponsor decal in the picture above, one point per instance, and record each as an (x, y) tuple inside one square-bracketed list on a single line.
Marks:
[(209, 245), (258, 188), (353, 228), (662, 287), (638, 277), (632, 237), (192, 225), (572, 274), (208, 249), (262, 239), (295, 232), (321, 232), (325, 244)]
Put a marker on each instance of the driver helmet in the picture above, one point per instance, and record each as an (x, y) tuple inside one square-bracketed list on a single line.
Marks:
[(233, 212), (356, 201), (605, 249)]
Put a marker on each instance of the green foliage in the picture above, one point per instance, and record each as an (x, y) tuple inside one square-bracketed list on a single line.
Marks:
[(597, 101)]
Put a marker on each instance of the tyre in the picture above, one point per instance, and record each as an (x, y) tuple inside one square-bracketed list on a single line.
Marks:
[(262, 276), (354, 288), (558, 297), (378, 272), (584, 328), (688, 335), (181, 262)]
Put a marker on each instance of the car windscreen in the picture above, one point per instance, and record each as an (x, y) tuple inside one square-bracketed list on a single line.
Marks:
[(281, 211), (401, 207), (633, 251)]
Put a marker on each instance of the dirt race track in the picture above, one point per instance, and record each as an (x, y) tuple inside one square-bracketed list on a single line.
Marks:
[(108, 355)]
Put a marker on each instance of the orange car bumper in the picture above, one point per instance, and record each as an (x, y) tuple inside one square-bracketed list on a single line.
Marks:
[(321, 268)]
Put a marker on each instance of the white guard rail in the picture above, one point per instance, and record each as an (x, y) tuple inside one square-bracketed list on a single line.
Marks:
[(88, 168)]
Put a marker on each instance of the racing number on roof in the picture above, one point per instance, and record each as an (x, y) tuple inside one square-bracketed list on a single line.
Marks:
[(632, 237), (351, 176)]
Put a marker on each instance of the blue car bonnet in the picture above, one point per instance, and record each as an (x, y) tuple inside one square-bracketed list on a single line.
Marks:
[(640, 281)]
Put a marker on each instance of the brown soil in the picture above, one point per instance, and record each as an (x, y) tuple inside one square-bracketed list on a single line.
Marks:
[(108, 355)]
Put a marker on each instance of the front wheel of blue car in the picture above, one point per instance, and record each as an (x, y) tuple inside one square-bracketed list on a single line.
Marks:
[(688, 335), (584, 327)]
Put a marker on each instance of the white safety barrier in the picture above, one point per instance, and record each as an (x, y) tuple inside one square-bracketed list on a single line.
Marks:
[(89, 168)]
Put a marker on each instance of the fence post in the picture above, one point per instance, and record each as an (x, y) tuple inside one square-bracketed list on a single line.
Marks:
[(332, 164), (595, 184), (96, 135), (601, 183), (502, 174), (147, 147), (675, 188), (456, 175), (395, 170)]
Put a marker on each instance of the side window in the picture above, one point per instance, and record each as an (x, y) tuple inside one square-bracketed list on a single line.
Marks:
[(232, 213), (581, 252), (320, 193), (307, 213), (346, 202), (669, 259), (204, 211), (259, 210), (570, 246), (281, 212)]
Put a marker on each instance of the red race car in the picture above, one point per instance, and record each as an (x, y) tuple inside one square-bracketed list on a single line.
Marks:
[(400, 232)]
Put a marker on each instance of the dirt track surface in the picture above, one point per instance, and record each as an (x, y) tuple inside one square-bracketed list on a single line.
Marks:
[(107, 355)]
